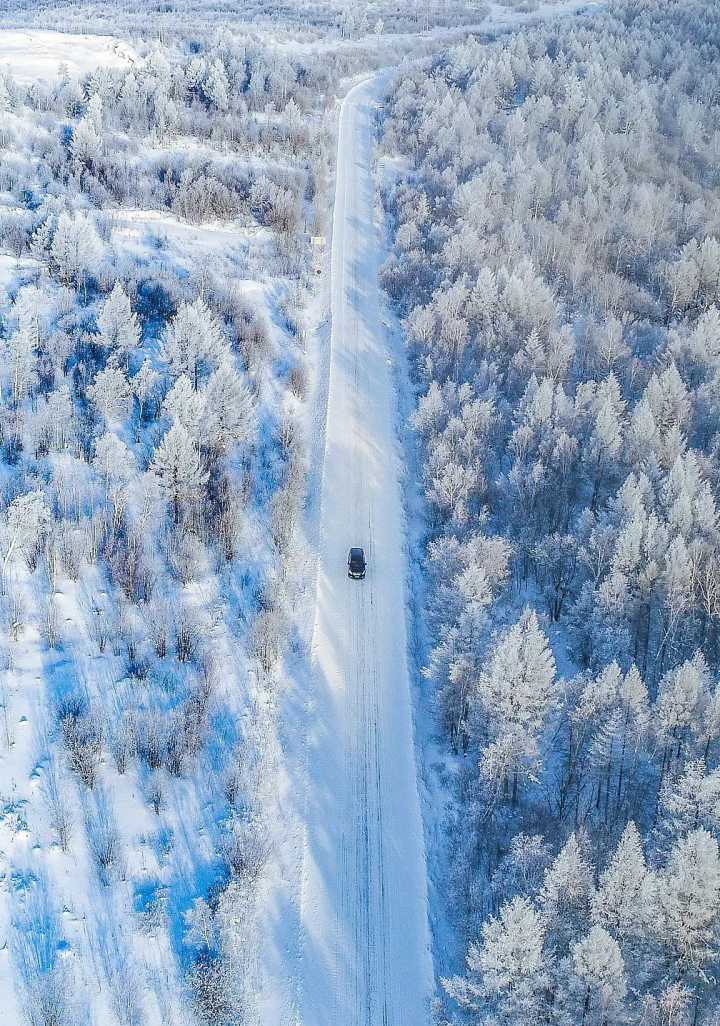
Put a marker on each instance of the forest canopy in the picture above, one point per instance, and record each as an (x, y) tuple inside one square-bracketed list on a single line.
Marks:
[(555, 222)]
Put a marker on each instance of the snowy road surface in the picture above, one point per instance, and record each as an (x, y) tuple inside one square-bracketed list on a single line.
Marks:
[(365, 940)]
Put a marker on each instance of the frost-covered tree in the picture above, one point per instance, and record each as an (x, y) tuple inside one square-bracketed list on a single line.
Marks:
[(559, 304), (682, 700), (216, 86), (623, 898), (599, 967), (189, 408), (76, 248), (566, 894), (86, 143), (511, 702), (117, 465), (230, 406), (177, 467), (28, 517), (118, 324), (145, 386), (686, 906), (192, 341), (111, 393), (21, 354), (508, 967), (690, 799), (30, 311)]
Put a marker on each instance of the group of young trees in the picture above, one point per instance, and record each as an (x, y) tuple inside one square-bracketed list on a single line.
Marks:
[(255, 119), (557, 265)]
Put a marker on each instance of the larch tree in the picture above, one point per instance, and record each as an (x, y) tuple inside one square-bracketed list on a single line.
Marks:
[(76, 248), (600, 970), (509, 968), (231, 407), (86, 143), (216, 86), (511, 702), (623, 898), (566, 894), (191, 341), (682, 699), (686, 907), (178, 469), (145, 385), (689, 800), (112, 394), (188, 408), (118, 324)]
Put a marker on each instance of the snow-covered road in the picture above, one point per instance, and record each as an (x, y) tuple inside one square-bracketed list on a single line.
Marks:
[(365, 940)]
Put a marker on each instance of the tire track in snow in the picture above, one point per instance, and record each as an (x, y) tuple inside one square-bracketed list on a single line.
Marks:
[(365, 954)]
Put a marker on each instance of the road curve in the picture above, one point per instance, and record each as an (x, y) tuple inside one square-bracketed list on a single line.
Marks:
[(365, 954)]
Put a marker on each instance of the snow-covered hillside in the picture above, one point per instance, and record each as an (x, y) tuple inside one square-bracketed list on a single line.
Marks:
[(153, 229), (36, 55)]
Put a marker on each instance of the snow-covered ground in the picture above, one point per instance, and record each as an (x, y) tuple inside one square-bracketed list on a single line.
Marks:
[(39, 54), (365, 956), (229, 248), (14, 269)]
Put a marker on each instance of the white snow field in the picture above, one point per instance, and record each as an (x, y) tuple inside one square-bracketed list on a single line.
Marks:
[(38, 54), (365, 958)]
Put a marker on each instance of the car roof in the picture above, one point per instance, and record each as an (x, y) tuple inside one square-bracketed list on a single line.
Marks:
[(356, 552)]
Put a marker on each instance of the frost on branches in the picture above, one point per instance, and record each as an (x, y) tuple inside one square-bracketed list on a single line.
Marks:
[(556, 263), (152, 463)]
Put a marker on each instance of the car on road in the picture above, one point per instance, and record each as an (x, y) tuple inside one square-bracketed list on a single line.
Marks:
[(356, 563)]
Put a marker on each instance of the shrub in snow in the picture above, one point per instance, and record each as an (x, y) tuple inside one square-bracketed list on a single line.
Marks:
[(103, 838), (82, 734)]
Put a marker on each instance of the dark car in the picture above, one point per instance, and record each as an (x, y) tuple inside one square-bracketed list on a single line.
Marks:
[(356, 563)]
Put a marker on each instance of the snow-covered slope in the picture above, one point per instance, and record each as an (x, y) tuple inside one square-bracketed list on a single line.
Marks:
[(40, 55), (366, 954)]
